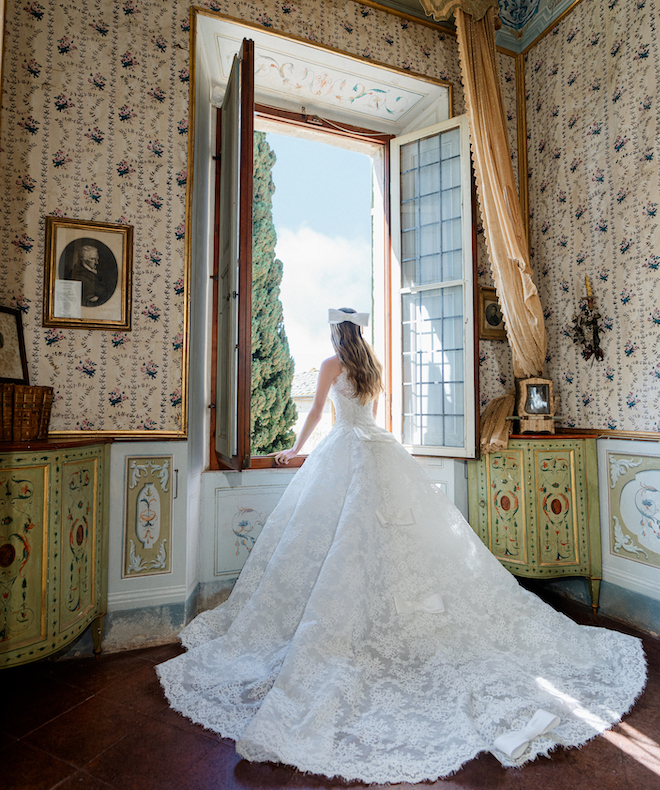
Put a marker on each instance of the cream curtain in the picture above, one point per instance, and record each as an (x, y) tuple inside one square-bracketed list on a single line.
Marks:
[(498, 198)]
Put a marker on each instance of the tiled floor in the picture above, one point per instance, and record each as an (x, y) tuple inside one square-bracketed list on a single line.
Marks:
[(102, 724)]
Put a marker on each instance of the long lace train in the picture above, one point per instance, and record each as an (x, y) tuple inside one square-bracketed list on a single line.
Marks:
[(372, 636)]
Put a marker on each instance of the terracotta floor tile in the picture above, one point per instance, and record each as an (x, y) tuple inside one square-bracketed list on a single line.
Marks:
[(35, 703), (84, 781), (26, 768), (150, 757), (156, 655), (138, 689), (170, 716), (86, 731), (113, 713), (95, 674), (224, 769)]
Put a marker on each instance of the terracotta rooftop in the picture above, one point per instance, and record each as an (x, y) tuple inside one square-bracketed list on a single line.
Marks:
[(304, 384)]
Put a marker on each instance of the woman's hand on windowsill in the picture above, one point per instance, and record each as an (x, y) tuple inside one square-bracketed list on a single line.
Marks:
[(282, 457)]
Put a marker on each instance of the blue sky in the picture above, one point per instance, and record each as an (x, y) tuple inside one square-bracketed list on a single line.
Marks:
[(322, 215)]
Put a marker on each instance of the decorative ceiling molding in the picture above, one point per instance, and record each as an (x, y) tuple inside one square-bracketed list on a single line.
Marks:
[(302, 78), (523, 21), (516, 14), (441, 10)]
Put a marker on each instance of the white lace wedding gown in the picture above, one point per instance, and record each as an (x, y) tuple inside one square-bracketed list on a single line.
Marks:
[(319, 658)]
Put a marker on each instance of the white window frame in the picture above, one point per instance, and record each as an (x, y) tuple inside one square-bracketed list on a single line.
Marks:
[(468, 450)]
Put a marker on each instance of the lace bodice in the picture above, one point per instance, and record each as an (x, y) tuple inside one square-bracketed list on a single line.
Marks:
[(349, 412)]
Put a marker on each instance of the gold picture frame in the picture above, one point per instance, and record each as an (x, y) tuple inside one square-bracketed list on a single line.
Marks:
[(13, 361), (491, 320), (88, 277)]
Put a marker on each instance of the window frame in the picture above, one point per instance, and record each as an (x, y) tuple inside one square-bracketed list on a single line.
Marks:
[(218, 462), (468, 282)]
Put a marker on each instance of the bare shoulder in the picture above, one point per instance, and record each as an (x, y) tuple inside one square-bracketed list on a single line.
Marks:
[(331, 365), (330, 368)]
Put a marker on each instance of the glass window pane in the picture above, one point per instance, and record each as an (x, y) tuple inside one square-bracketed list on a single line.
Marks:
[(429, 239), (453, 366), (407, 399), (453, 399), (432, 430), (431, 304), (451, 173), (429, 208), (429, 179), (409, 155), (451, 235), (407, 307), (407, 369), (429, 150), (409, 244), (409, 214), (451, 203), (452, 333), (452, 265), (409, 430), (430, 400), (452, 301), (409, 185), (454, 431), (451, 143), (430, 270), (409, 272)]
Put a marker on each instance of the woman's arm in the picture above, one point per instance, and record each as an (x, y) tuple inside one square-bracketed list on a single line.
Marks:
[(330, 369)]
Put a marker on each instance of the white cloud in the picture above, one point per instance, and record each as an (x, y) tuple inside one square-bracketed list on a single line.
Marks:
[(319, 272)]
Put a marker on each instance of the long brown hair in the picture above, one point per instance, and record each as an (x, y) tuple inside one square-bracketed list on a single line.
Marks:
[(357, 358)]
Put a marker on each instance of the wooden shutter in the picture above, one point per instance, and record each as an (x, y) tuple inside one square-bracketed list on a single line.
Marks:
[(234, 254)]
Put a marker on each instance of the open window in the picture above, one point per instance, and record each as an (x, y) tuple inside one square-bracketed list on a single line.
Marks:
[(434, 406), (422, 273)]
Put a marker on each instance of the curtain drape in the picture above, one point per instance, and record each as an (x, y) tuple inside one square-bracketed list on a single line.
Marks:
[(501, 213)]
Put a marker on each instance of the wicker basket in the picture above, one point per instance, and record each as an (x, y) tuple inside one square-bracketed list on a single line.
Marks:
[(25, 412)]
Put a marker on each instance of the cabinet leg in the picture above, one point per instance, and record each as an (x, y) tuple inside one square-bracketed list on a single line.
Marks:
[(97, 634), (594, 589)]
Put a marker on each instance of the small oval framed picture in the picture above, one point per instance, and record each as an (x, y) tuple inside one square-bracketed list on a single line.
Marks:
[(88, 274), (491, 320)]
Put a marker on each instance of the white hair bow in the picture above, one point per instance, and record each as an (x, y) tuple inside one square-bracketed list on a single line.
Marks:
[(339, 316)]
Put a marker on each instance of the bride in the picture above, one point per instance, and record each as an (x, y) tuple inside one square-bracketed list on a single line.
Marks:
[(372, 636)]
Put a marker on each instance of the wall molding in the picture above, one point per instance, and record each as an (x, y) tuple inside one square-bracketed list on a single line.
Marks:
[(155, 596), (631, 582)]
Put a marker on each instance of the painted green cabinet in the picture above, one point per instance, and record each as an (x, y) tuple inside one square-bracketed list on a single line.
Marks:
[(535, 505), (53, 546)]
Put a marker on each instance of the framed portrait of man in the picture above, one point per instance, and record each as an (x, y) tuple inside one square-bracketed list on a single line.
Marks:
[(88, 274), (491, 320)]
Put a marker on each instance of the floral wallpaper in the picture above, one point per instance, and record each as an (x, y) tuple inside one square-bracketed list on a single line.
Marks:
[(95, 126), (593, 107)]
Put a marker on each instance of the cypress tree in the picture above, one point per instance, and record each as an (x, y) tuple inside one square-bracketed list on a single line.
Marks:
[(272, 410)]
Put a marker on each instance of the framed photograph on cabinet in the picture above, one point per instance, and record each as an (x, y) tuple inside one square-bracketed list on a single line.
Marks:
[(13, 362), (491, 320), (88, 274)]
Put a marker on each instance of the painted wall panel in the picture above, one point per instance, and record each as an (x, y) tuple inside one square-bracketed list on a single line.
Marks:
[(628, 473)]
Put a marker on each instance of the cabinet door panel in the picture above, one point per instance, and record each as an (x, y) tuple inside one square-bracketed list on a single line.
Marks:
[(555, 473), (79, 539), (507, 511), (23, 555)]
